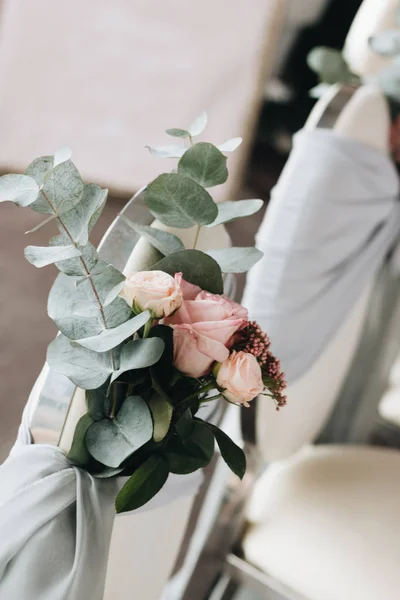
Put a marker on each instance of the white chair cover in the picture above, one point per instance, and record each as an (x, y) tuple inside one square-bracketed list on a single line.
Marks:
[(333, 217)]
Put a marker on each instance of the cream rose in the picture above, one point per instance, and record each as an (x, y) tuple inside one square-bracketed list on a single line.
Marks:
[(155, 291), (240, 377)]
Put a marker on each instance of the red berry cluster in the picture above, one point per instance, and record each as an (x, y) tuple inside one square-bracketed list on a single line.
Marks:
[(254, 340)]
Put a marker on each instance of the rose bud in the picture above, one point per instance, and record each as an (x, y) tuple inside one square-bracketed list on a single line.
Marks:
[(240, 377), (155, 291)]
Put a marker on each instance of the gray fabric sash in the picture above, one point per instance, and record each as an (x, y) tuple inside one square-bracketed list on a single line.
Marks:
[(333, 217), (55, 525)]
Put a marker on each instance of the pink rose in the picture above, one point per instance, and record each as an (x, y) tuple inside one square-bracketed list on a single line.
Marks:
[(240, 377), (155, 291), (203, 329)]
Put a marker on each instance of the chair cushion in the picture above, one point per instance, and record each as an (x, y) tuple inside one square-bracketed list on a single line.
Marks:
[(329, 527)]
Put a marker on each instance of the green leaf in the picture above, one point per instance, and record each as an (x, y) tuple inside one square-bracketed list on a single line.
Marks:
[(74, 307), (197, 268), (143, 485), (82, 217), (138, 355), (386, 43), (167, 151), (41, 224), (234, 456), (230, 211), (329, 64), (164, 242), (196, 452), (108, 472), (75, 266), (205, 164), (110, 338), (111, 441), (179, 133), (184, 425), (20, 189), (163, 369), (61, 155), (161, 411), (178, 201), (41, 256), (236, 260), (198, 125), (78, 453), (85, 368), (97, 402), (230, 145), (389, 82), (62, 185)]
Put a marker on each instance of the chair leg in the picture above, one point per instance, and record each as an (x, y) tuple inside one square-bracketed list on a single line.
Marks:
[(226, 588)]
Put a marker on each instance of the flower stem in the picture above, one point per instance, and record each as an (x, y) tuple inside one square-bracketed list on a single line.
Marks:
[(196, 238), (147, 328), (84, 266), (203, 390)]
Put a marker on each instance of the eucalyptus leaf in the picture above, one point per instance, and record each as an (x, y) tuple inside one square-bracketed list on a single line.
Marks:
[(41, 224), (20, 189), (196, 267), (62, 186), (81, 218), (386, 43), (139, 354), (41, 256), (167, 151), (230, 211), (111, 441), (389, 82), (143, 485), (198, 125), (236, 260), (108, 472), (329, 64), (85, 368), (234, 456), (114, 293), (110, 338), (196, 452), (61, 155), (78, 453), (75, 309), (178, 201), (179, 133), (164, 242), (161, 411), (86, 262), (205, 164), (230, 145), (97, 402)]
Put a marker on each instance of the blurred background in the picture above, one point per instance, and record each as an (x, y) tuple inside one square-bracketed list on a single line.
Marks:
[(109, 78)]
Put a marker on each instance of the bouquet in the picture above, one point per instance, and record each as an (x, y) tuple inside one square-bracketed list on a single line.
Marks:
[(151, 348)]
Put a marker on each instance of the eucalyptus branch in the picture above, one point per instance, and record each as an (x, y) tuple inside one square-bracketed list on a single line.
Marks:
[(84, 266)]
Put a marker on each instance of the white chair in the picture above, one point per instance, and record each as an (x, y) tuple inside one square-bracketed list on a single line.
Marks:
[(324, 521)]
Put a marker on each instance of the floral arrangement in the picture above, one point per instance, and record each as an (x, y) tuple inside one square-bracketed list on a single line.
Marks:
[(149, 349)]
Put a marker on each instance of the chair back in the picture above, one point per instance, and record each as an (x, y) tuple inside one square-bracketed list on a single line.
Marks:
[(313, 395)]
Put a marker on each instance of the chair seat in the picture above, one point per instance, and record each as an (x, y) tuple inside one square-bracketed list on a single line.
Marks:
[(329, 527)]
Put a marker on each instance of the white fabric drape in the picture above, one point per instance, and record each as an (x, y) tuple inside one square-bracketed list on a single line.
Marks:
[(55, 525), (333, 216), (56, 520)]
